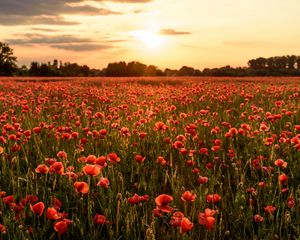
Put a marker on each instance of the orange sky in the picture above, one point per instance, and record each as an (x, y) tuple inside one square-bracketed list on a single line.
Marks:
[(166, 33)]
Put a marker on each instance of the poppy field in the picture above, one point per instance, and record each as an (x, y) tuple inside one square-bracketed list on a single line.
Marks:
[(194, 158)]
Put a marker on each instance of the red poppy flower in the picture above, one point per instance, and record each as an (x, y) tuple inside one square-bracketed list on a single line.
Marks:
[(8, 199), (135, 199), (42, 168), (57, 167), (188, 196), (186, 225), (53, 214), (162, 202), (291, 202), (270, 209), (113, 158), (280, 163), (91, 159), (38, 208), (213, 198), (100, 219), (139, 158), (258, 218), (81, 187), (202, 180), (56, 203), (103, 182), (62, 226), (207, 218), (176, 219), (2, 229), (283, 179), (92, 170)]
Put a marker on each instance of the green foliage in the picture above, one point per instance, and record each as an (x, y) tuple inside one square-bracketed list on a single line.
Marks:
[(7, 60)]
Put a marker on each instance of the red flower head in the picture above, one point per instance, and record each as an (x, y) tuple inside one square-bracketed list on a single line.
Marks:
[(38, 208), (62, 226), (2, 229), (53, 214), (100, 219), (202, 180), (176, 219), (280, 163), (113, 158), (81, 187), (104, 182), (188, 196), (270, 209), (258, 218), (186, 225), (283, 179), (57, 167), (207, 218), (62, 155), (135, 199), (139, 158), (42, 168), (92, 170), (162, 202), (91, 159), (213, 198)]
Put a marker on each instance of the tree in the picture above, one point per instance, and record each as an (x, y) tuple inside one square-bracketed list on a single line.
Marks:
[(7, 60)]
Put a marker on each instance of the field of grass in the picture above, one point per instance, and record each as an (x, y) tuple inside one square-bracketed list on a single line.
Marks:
[(194, 158)]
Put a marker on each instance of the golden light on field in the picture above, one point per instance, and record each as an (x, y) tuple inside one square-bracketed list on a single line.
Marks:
[(150, 39)]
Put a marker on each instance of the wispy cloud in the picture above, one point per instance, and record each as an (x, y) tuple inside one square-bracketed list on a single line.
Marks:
[(64, 42), (82, 47), (13, 20), (173, 32)]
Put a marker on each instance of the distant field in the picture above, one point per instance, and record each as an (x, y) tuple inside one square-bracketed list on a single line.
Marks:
[(150, 158)]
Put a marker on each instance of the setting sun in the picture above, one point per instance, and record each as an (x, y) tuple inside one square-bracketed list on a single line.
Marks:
[(149, 38)]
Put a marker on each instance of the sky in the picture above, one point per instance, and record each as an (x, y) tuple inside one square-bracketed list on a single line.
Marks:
[(165, 33)]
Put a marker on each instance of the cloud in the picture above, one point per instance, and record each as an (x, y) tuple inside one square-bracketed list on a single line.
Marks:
[(12, 20), (47, 12), (64, 42), (173, 32), (82, 47), (44, 39)]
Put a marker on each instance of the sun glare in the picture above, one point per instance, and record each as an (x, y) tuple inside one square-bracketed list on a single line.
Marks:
[(150, 38)]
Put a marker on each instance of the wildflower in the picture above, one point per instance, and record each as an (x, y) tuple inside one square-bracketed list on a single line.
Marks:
[(100, 219), (186, 225), (81, 187), (38, 208), (113, 158), (103, 182), (188, 196), (62, 226), (213, 198), (92, 170), (42, 168), (258, 218), (139, 158), (57, 167), (283, 179), (53, 214), (280, 163), (162, 202), (270, 209), (207, 218)]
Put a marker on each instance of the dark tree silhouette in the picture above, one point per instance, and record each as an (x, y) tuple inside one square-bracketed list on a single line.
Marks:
[(8, 61)]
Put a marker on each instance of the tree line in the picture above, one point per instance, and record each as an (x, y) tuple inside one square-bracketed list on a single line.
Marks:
[(273, 66)]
